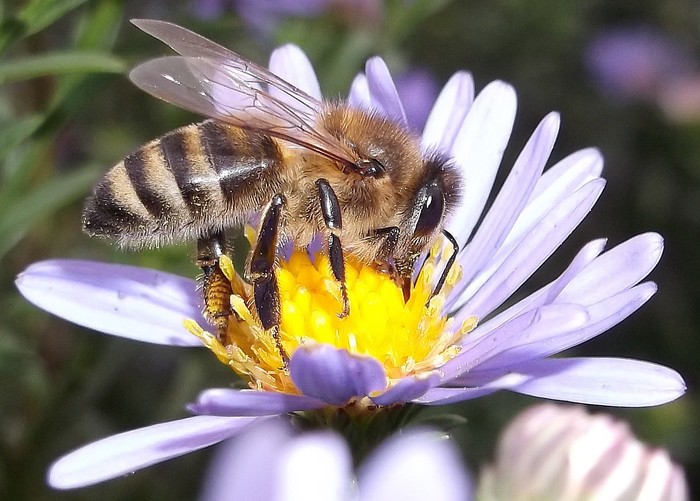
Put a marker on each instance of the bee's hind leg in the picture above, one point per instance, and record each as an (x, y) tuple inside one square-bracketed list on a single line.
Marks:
[(216, 288), (261, 272), (330, 209)]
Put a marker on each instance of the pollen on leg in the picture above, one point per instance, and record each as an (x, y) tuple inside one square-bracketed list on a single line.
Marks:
[(406, 337)]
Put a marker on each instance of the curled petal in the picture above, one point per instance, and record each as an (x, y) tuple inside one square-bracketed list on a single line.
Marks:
[(335, 376), (409, 388), (127, 301), (127, 452), (230, 402)]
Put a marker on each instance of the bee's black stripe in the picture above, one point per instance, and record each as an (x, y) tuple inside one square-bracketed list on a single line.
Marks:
[(150, 196), (240, 157), (105, 216), (178, 160), (221, 152)]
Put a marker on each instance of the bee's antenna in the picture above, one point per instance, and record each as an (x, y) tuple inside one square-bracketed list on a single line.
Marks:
[(450, 262)]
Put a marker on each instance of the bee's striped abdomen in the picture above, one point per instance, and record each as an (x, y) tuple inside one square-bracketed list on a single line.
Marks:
[(196, 179)]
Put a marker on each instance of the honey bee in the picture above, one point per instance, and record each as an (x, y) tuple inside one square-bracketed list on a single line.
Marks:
[(308, 168)]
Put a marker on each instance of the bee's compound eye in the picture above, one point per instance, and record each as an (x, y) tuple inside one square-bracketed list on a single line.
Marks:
[(432, 203), (372, 168)]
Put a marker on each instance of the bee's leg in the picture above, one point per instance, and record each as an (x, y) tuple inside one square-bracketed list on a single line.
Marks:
[(330, 209), (216, 288), (450, 262), (261, 271), (385, 258), (389, 237)]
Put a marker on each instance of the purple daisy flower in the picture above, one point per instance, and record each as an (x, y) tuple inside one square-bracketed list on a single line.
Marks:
[(636, 62), (272, 461), (462, 344), (263, 16)]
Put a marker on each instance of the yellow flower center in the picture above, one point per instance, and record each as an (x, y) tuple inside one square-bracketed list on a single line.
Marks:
[(406, 337)]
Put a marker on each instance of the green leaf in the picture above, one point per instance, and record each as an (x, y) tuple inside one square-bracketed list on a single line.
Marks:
[(39, 14), (34, 17), (45, 199), (60, 62), (98, 28), (11, 134)]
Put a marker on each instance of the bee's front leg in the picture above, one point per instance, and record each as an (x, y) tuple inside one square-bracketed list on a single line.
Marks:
[(330, 209), (261, 272), (216, 288), (388, 239)]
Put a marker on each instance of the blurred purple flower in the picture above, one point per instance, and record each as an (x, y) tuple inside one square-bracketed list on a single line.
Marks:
[(635, 62), (272, 462), (264, 15), (510, 349), (555, 452), (417, 90)]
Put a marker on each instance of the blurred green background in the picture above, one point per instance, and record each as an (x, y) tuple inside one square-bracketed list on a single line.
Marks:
[(68, 113)]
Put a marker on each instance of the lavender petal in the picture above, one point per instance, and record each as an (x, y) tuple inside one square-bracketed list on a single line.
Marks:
[(359, 96), (291, 63), (547, 294), (130, 451), (511, 198), (315, 466), (448, 113), (616, 270), (478, 149), (243, 465), (444, 396), (384, 95), (127, 301), (601, 317), (554, 186), (529, 255), (230, 402), (601, 381), (418, 465), (490, 350), (335, 376), (407, 389)]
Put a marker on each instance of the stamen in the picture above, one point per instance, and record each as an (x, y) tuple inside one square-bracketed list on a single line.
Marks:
[(407, 337)]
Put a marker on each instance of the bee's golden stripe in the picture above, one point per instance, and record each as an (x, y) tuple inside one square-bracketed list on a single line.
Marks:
[(140, 167), (196, 179)]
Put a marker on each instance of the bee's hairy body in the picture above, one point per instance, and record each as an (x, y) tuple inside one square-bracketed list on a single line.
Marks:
[(305, 167), (210, 176)]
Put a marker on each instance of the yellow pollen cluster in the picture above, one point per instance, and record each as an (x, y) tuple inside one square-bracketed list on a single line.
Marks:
[(406, 337)]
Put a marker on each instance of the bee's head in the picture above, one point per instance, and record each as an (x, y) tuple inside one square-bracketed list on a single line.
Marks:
[(434, 196)]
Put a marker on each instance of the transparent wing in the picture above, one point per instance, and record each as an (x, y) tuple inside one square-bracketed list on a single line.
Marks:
[(216, 82)]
